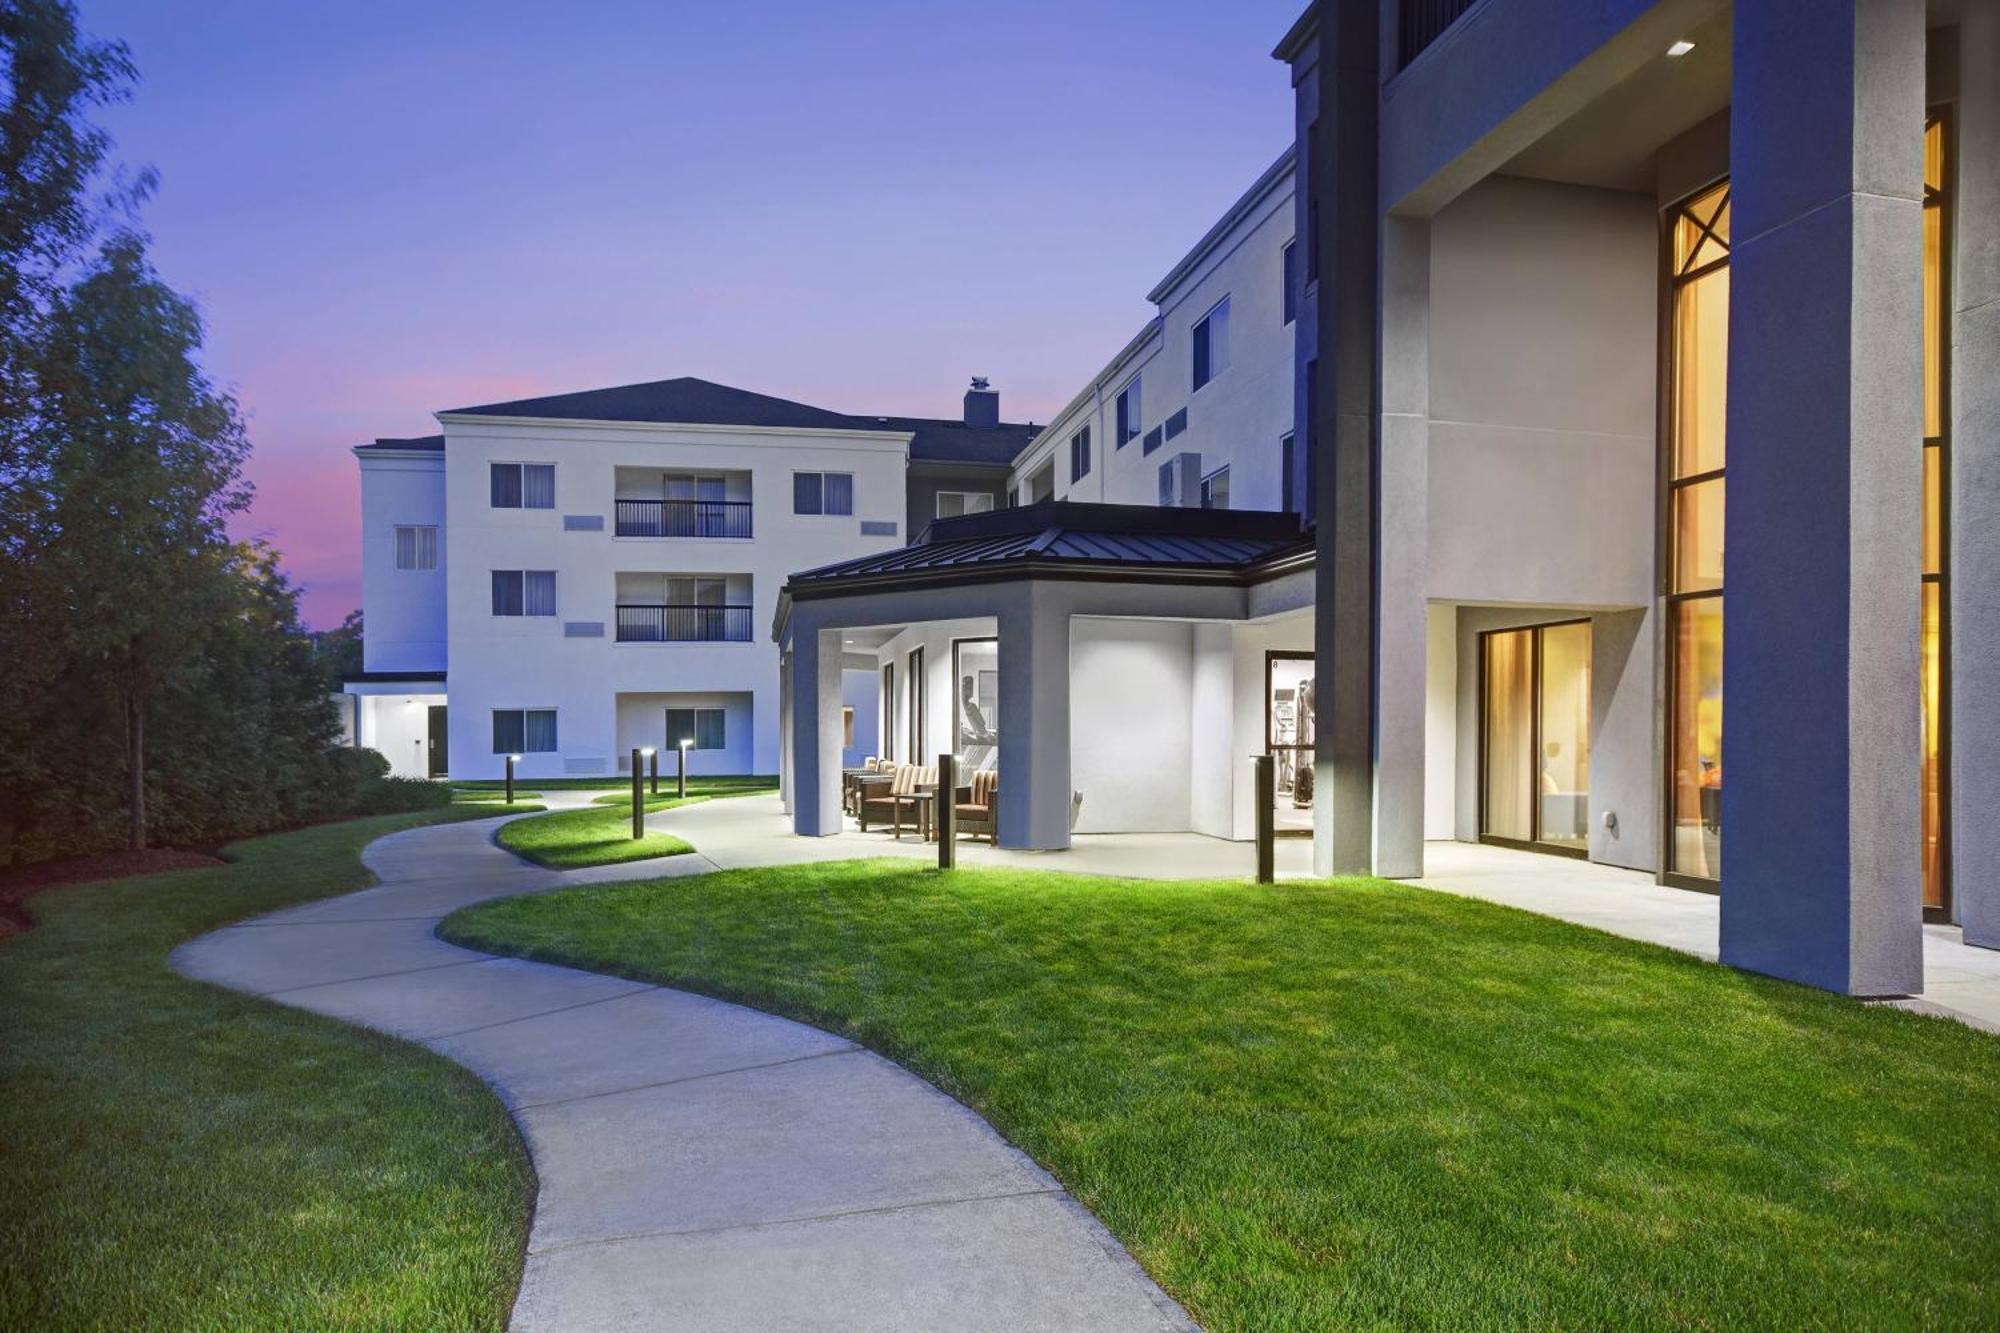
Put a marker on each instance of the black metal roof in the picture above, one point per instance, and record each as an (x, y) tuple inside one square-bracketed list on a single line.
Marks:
[(943, 440), (429, 444), (1058, 535)]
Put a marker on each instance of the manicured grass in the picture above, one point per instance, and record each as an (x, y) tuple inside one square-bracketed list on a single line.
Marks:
[(750, 782), (602, 834), (182, 1156), (1363, 1104)]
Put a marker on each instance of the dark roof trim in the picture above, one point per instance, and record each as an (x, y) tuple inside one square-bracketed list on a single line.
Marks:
[(1276, 172), (423, 444), (391, 677), (1276, 565), (1304, 28)]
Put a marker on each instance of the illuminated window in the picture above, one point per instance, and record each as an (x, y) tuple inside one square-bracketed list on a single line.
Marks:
[(1936, 552), (1698, 396)]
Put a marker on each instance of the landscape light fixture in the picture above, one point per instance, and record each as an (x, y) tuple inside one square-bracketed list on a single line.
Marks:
[(681, 775), (652, 768), (1680, 48), (512, 760), (638, 798)]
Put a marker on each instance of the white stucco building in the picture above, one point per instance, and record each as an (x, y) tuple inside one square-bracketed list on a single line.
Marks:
[(570, 577)]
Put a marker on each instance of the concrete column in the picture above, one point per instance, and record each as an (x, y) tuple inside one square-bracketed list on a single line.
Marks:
[(785, 731), (1973, 583), (1820, 862), (815, 732), (1343, 440), (1034, 720), (1402, 624)]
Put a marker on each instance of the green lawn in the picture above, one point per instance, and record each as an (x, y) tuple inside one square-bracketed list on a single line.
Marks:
[(624, 784), (1362, 1104), (180, 1156), (602, 834)]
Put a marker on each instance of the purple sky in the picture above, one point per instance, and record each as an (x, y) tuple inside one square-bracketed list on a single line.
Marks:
[(390, 208)]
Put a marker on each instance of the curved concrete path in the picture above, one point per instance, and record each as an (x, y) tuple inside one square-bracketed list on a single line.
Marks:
[(702, 1165)]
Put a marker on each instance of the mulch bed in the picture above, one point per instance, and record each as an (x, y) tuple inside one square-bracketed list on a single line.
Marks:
[(15, 888)]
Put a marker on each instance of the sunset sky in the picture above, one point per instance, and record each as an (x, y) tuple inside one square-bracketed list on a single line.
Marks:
[(387, 209)]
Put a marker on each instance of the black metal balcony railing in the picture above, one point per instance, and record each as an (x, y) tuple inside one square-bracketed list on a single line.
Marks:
[(683, 518), (1421, 22), (683, 624)]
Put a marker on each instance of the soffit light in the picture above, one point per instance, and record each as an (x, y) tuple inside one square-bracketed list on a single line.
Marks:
[(1679, 49)]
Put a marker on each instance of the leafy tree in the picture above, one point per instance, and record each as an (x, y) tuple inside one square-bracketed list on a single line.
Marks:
[(339, 650)]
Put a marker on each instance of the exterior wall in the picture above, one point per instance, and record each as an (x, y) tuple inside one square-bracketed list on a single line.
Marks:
[(529, 662), (1249, 643), (642, 721), (404, 618), (397, 726), (1235, 420), (1543, 330), (1131, 705), (935, 638), (860, 692), (927, 479)]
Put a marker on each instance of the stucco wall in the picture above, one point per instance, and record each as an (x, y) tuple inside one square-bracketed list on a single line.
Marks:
[(642, 721), (530, 662), (397, 726), (1542, 387), (404, 610), (1131, 714)]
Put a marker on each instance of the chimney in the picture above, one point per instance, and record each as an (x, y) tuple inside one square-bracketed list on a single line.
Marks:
[(982, 405)]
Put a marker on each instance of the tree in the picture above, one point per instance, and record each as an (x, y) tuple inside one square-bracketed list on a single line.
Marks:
[(339, 650)]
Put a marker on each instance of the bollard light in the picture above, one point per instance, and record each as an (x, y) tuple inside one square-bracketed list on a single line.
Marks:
[(1263, 768), (638, 800), (681, 773), (512, 760), (947, 811), (652, 769)]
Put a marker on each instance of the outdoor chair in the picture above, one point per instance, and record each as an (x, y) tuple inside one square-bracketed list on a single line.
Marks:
[(886, 805), (978, 806)]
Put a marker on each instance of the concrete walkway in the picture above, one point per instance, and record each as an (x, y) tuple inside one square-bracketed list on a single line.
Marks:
[(702, 1166)]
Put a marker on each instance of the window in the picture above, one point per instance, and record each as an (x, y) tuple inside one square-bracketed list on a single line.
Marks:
[(975, 701), (1176, 423), (703, 726), (1154, 438), (1211, 344), (1041, 485), (524, 730), (888, 719), (1215, 489), (918, 707), (957, 504), (1128, 412), (524, 485), (1167, 483), (1288, 485), (822, 492), (416, 548), (1289, 276), (1697, 394), (1934, 631), (1079, 455), (847, 728), (524, 592)]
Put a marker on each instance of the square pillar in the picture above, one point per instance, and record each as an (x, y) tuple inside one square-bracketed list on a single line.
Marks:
[(815, 718), (1820, 869), (785, 731), (1343, 437), (1034, 721), (1972, 586), (1402, 620)]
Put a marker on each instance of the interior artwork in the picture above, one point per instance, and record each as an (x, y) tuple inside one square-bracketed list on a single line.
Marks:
[(976, 702)]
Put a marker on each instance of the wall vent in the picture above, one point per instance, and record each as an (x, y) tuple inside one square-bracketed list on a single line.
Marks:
[(583, 629), (1154, 439), (878, 527), (1176, 423), (583, 766), (583, 522)]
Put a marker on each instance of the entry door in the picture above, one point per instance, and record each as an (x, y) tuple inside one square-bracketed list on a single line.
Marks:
[(1534, 738), (436, 749), (1289, 735)]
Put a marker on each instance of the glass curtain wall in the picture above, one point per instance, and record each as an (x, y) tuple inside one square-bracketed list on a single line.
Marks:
[(1697, 406), (1937, 344)]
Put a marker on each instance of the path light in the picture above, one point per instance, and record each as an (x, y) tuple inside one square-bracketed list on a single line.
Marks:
[(512, 760), (638, 799), (652, 768), (1263, 773), (681, 777)]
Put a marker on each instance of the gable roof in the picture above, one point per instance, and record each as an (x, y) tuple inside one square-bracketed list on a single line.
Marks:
[(687, 399), (692, 401)]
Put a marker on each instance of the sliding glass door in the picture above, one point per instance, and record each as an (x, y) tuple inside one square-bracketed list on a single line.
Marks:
[(1534, 738), (1289, 736)]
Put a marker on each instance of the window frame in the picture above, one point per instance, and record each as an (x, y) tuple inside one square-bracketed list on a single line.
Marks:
[(822, 511), (496, 468), (521, 598), (1079, 455), (1210, 353), (555, 743), (417, 565), (1208, 484), (937, 503), (696, 712), (1127, 410)]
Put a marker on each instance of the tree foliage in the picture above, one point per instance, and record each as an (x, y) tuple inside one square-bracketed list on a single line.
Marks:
[(155, 680)]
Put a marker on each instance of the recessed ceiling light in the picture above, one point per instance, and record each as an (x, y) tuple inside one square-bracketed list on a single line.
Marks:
[(1680, 48)]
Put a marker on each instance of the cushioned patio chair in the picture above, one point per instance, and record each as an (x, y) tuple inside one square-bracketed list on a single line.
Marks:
[(978, 806), (890, 804)]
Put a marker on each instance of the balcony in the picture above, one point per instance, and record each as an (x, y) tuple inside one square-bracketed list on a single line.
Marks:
[(1421, 22), (682, 518), (640, 623)]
